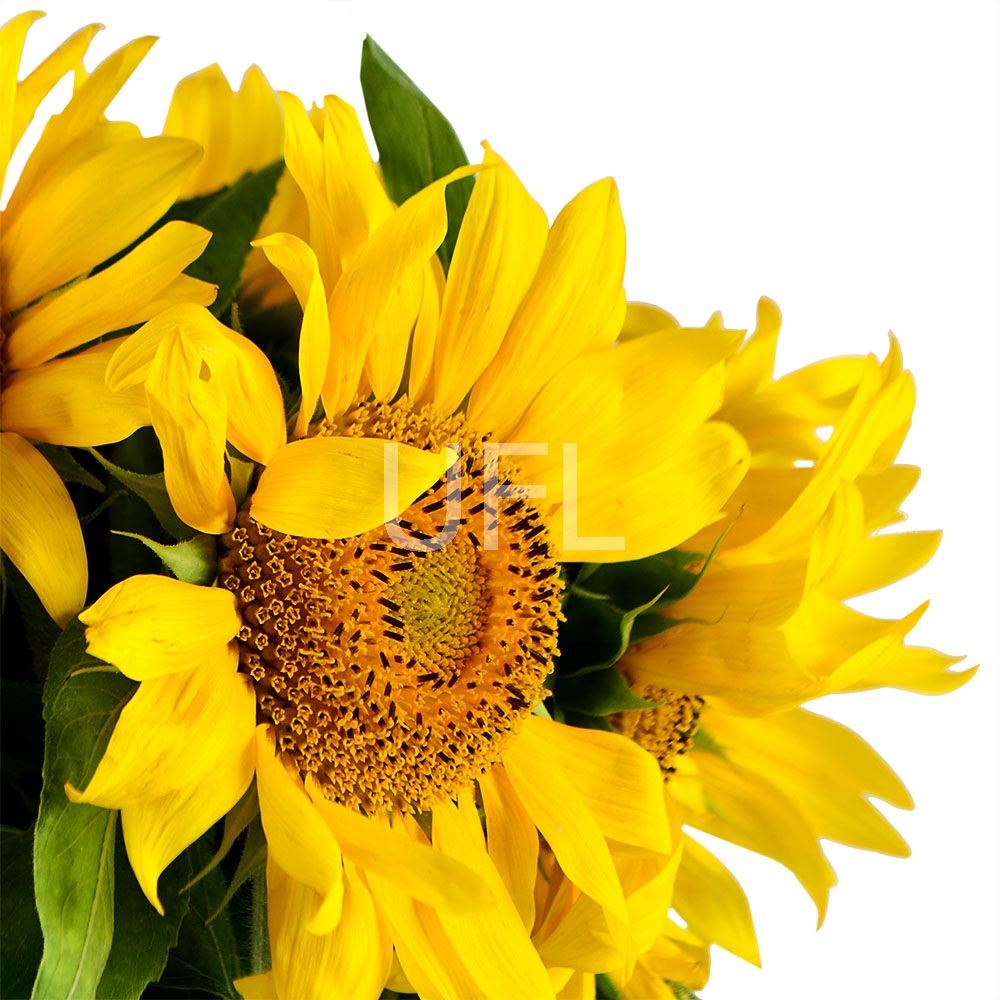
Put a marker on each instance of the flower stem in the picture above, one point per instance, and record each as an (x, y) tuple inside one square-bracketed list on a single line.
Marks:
[(260, 949)]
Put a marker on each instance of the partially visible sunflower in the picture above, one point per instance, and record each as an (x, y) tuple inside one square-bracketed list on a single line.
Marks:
[(382, 679), (767, 628), (88, 190)]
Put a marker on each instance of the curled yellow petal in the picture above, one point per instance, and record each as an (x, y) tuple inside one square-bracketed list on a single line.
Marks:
[(152, 625)]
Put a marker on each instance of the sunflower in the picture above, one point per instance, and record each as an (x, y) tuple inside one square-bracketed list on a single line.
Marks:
[(382, 679), (766, 628), (64, 219)]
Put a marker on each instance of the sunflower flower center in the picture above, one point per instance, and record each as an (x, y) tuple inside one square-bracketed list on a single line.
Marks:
[(666, 731), (396, 672)]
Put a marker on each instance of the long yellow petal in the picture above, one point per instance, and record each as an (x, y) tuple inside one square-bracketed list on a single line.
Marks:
[(628, 809), (189, 416), (636, 508), (352, 961), (67, 402), (64, 232), (564, 819), (335, 487), (426, 874), (501, 956), (575, 303), (425, 333), (117, 297), (497, 253), (39, 529), (153, 625), (713, 904), (380, 294), (296, 261), (172, 731), (157, 830), (512, 841), (12, 36), (297, 838), (33, 89)]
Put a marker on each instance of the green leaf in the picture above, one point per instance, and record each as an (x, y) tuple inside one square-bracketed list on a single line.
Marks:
[(416, 143), (233, 216), (142, 938), (74, 843), (207, 955), (193, 561), (151, 488), (680, 991), (602, 692), (20, 933)]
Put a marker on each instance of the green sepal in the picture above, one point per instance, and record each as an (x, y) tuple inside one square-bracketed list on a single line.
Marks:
[(251, 861), (142, 938), (70, 470), (602, 692), (74, 843), (233, 215), (207, 957), (151, 488), (20, 932), (416, 143), (237, 820), (193, 561), (663, 576)]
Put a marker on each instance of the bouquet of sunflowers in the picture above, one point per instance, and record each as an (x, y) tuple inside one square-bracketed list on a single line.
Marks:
[(365, 653)]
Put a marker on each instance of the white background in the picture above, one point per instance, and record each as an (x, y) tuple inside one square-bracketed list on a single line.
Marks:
[(840, 158)]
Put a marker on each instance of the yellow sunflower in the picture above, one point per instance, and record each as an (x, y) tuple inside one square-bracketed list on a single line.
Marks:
[(381, 677), (62, 220), (766, 628)]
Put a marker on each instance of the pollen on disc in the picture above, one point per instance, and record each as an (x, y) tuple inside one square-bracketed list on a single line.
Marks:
[(392, 668)]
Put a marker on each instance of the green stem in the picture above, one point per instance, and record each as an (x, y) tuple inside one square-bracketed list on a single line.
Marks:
[(260, 948)]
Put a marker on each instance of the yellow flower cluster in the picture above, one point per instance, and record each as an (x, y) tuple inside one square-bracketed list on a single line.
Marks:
[(371, 669)]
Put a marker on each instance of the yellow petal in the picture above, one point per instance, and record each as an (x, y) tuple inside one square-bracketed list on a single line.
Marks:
[(33, 89), (637, 508), (426, 874), (641, 319), (748, 810), (296, 261), (574, 304), (512, 840), (64, 232), (297, 838), (497, 253), (153, 625), (737, 660), (157, 830), (67, 402), (425, 332), (713, 904), (12, 36), (500, 954), (335, 487), (352, 961), (258, 987), (117, 297), (171, 733), (189, 416), (429, 961), (564, 818), (628, 809), (380, 293), (39, 529)]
